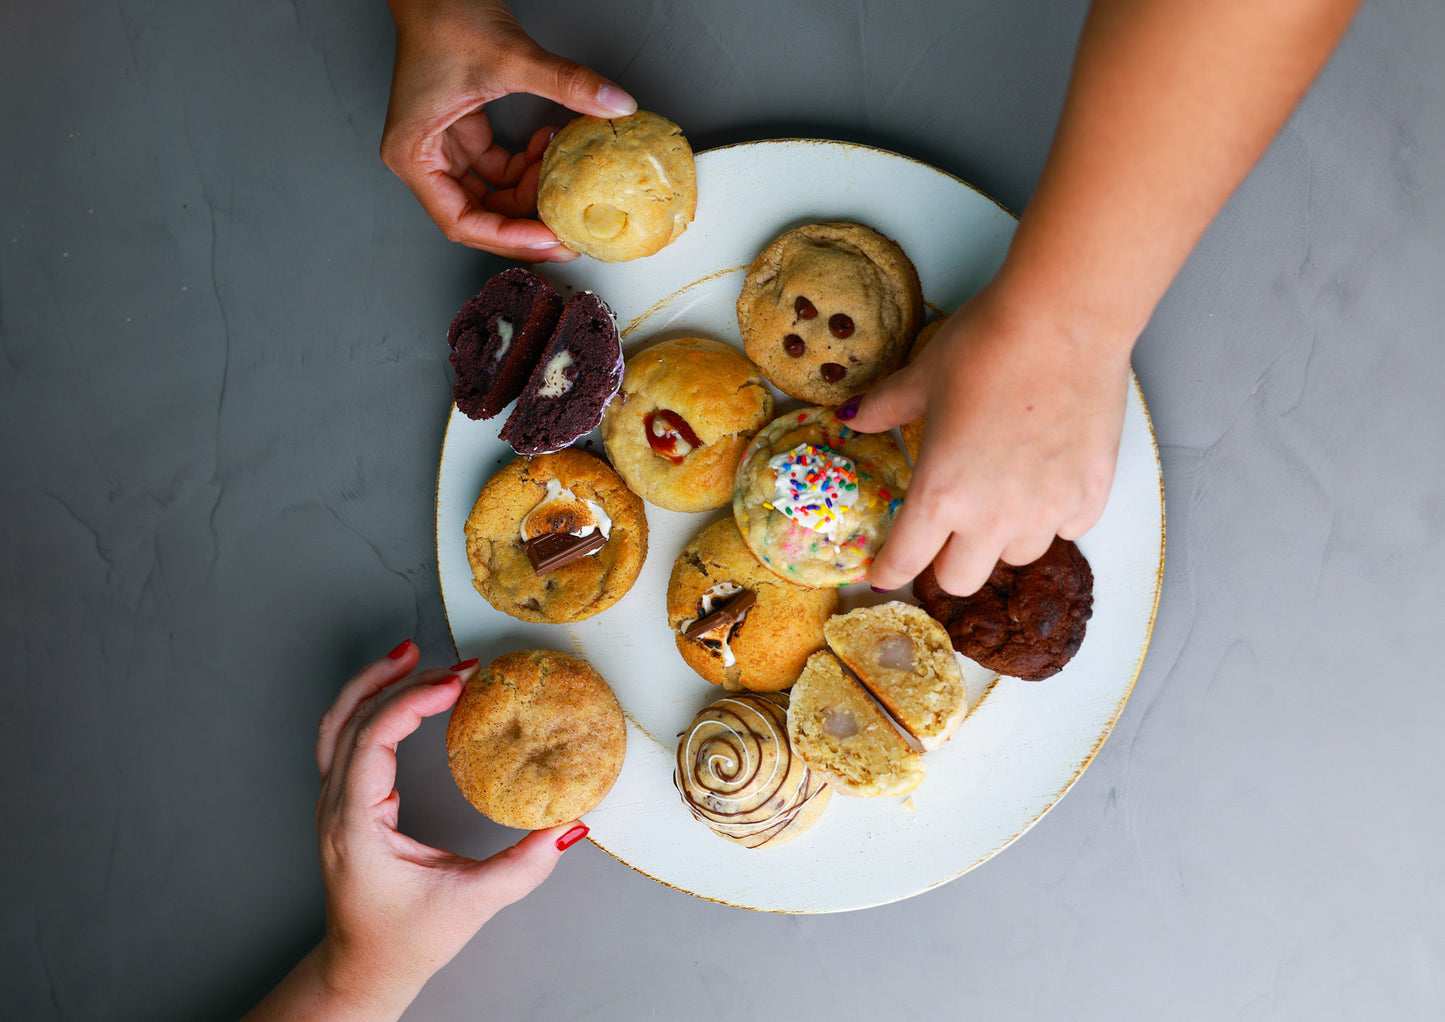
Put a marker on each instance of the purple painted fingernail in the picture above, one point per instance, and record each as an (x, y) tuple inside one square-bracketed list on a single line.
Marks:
[(876, 589), (850, 407)]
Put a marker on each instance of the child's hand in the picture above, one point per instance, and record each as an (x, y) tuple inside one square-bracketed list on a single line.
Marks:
[(1022, 435), (452, 56)]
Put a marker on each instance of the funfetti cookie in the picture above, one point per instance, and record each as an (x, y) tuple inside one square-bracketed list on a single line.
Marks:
[(829, 309), (814, 500)]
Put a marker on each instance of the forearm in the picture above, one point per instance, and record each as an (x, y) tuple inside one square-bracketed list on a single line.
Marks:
[(310, 993), (1171, 104)]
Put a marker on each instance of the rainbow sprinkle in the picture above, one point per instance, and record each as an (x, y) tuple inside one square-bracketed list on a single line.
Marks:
[(814, 488)]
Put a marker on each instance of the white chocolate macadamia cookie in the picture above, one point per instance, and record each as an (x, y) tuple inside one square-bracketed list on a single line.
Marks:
[(618, 189)]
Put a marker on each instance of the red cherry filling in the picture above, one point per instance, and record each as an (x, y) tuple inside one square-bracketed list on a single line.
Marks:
[(669, 435)]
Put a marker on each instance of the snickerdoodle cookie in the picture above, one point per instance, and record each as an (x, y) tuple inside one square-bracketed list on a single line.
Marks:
[(536, 739)]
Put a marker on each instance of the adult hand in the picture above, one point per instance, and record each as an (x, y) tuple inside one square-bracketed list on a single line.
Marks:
[(453, 56), (1020, 442), (397, 910)]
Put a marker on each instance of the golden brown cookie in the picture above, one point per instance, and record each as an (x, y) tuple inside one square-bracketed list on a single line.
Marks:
[(814, 499), (618, 189), (828, 309), (905, 659), (566, 493), (766, 647), (913, 431), (686, 410), (536, 739), (737, 773), (841, 733)]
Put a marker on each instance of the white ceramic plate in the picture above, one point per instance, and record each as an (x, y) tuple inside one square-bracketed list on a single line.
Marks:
[(1024, 743)]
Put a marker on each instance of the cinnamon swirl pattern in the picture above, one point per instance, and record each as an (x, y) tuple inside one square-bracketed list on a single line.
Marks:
[(737, 773)]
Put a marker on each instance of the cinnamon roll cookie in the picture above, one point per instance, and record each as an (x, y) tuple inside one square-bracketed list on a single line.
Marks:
[(737, 773)]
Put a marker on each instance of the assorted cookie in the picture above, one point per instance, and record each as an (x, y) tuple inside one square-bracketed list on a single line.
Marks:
[(536, 739), (1026, 622), (829, 309), (686, 410), (736, 623), (814, 499), (904, 659), (497, 337), (555, 538), (738, 774), (841, 733), (576, 375), (618, 189)]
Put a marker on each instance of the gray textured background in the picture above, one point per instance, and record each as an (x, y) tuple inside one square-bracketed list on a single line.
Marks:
[(222, 393)]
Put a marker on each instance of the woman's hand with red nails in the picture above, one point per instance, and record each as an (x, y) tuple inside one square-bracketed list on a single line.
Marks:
[(452, 57), (1022, 434), (396, 910)]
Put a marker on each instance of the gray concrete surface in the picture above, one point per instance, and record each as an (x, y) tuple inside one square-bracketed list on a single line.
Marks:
[(222, 394)]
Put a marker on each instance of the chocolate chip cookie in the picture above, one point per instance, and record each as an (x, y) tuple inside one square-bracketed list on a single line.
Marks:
[(829, 309)]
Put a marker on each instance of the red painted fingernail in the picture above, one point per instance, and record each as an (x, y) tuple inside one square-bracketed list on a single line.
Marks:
[(570, 838), (465, 665), (400, 650), (447, 680), (850, 407)]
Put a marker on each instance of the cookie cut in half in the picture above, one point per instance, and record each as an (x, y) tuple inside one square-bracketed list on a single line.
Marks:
[(841, 733), (496, 338), (905, 659), (576, 375)]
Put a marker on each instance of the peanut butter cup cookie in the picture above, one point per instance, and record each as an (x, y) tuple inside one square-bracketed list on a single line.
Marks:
[(814, 499), (618, 189), (536, 739), (686, 410), (554, 538), (829, 309), (736, 623)]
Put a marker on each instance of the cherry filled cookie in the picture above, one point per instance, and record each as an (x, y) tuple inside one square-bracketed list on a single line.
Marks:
[(686, 410), (829, 309)]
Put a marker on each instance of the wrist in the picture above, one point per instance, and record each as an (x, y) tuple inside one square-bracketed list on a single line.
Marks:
[(1073, 322), (360, 987)]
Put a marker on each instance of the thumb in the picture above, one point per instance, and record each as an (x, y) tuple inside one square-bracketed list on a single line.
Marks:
[(574, 85), (898, 399), (513, 873)]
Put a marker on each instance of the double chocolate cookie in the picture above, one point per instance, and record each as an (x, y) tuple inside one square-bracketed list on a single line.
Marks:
[(1026, 622)]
